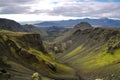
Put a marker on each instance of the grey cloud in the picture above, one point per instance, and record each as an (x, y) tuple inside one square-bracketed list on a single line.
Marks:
[(15, 6), (14, 10), (88, 9), (15, 1)]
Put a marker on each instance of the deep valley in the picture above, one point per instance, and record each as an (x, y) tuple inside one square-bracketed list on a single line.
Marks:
[(83, 52)]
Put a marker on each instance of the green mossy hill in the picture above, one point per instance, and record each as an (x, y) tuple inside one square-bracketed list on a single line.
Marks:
[(83, 26), (25, 54), (92, 51), (80, 26)]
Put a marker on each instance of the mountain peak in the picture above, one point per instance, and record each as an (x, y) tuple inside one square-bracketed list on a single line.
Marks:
[(83, 25), (104, 18)]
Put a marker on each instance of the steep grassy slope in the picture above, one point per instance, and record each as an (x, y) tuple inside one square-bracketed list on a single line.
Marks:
[(94, 53), (23, 54)]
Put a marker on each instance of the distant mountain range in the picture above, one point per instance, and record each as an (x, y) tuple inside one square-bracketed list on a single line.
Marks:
[(102, 22)]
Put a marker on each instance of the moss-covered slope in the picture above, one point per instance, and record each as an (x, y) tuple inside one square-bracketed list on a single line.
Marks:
[(94, 53), (25, 54)]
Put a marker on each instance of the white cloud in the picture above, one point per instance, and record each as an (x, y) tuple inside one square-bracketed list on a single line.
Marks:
[(89, 0), (34, 17), (58, 9)]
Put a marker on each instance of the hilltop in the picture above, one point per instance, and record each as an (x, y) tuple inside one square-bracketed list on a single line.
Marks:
[(80, 26)]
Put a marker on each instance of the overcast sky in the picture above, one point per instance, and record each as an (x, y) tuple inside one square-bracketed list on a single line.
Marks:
[(32, 10)]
